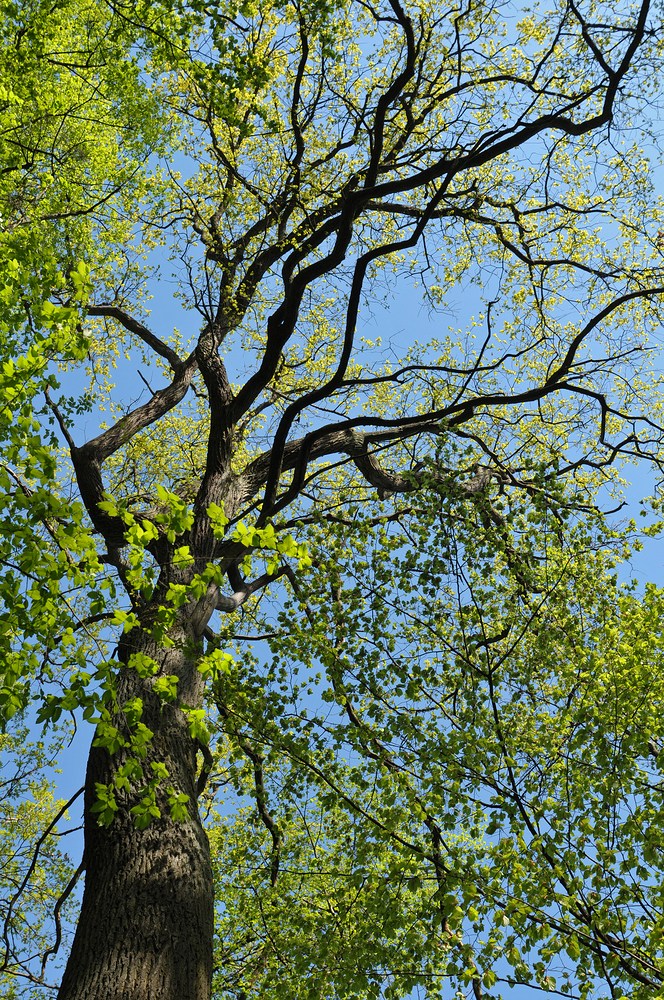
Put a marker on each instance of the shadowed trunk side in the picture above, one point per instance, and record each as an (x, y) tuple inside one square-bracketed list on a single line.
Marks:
[(146, 924)]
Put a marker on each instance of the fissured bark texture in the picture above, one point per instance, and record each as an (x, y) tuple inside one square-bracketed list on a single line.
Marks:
[(146, 924)]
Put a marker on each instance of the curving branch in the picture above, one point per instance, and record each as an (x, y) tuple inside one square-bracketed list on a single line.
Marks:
[(62, 899), (31, 867), (244, 590), (140, 330), (89, 458), (345, 438)]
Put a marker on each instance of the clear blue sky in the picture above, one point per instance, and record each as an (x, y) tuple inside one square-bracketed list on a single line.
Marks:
[(394, 322)]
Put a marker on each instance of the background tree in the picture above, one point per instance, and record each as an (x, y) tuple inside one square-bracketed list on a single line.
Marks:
[(35, 870), (317, 155), (473, 811)]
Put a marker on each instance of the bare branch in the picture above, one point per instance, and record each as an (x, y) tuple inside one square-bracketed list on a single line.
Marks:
[(31, 867), (141, 331)]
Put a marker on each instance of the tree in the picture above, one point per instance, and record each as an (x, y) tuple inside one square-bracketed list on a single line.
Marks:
[(36, 873), (496, 776), (418, 510)]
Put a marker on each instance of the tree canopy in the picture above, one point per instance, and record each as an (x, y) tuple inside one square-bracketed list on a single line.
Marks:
[(339, 587)]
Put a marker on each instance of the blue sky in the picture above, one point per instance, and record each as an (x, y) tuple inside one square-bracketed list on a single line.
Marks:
[(393, 322)]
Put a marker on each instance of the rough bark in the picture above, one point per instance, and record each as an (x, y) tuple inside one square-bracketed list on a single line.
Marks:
[(146, 924)]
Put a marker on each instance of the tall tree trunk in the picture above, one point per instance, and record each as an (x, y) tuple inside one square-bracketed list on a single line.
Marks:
[(146, 924)]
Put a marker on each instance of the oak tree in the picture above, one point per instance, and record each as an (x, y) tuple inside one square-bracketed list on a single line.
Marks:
[(361, 581)]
